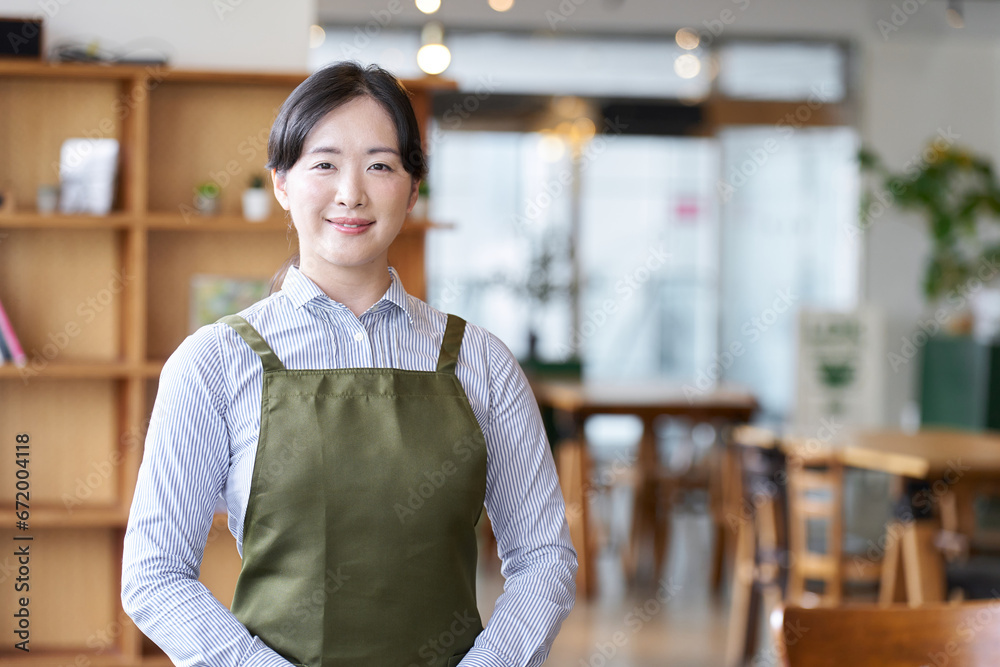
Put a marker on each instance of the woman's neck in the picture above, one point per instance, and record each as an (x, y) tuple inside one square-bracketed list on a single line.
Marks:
[(357, 287)]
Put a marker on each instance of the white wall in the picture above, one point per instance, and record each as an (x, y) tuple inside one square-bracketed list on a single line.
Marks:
[(916, 75), (195, 34)]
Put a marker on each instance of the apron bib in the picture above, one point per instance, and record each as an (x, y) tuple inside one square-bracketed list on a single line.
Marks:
[(359, 542)]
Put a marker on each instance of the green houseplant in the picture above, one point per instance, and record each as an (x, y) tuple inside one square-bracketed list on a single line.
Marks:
[(957, 193)]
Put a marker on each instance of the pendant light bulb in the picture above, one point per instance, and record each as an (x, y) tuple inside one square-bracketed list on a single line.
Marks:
[(428, 6)]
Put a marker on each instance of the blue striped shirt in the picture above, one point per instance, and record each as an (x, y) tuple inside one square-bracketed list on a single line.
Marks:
[(202, 440)]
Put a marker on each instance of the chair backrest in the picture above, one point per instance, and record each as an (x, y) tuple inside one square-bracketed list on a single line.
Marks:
[(815, 498), (935, 635)]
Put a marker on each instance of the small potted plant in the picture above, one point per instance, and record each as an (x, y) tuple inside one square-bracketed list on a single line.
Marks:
[(256, 200), (206, 198)]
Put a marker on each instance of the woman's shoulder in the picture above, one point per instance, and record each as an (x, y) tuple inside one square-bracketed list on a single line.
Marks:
[(207, 344)]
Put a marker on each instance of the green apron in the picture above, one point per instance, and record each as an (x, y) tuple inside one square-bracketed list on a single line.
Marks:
[(359, 542)]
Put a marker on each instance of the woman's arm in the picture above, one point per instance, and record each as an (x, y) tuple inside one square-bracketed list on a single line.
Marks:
[(183, 471), (526, 509)]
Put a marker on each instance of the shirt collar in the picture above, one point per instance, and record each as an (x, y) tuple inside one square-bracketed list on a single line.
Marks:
[(301, 290)]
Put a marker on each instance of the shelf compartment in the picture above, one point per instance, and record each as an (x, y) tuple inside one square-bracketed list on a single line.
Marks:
[(208, 130), (74, 461), (63, 291), (176, 256), (39, 114), (73, 602)]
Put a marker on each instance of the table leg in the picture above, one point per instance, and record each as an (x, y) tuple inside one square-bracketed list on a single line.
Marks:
[(645, 526), (892, 586), (741, 638), (923, 567), (912, 569), (573, 468)]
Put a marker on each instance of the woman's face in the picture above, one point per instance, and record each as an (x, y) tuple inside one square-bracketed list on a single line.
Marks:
[(348, 192)]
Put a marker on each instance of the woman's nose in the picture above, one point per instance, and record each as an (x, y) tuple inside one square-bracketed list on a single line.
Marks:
[(350, 190)]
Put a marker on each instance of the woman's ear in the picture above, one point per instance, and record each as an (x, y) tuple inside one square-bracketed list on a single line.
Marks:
[(279, 188), (414, 193)]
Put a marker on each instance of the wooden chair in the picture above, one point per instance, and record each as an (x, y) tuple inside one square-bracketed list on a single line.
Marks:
[(815, 497), (754, 513), (956, 635)]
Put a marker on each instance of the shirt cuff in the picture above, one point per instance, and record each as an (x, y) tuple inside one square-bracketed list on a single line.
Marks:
[(483, 657), (262, 655)]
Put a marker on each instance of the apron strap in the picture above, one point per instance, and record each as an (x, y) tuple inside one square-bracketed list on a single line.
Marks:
[(255, 341), (450, 345)]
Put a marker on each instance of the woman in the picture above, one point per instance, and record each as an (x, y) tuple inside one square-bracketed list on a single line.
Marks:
[(355, 434)]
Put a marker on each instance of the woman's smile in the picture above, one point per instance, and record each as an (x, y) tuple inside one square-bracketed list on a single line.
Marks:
[(351, 226)]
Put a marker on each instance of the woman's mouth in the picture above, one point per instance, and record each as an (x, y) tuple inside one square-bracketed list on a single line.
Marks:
[(351, 225)]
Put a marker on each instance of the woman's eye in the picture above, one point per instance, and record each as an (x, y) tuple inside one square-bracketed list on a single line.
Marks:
[(324, 165), (379, 166)]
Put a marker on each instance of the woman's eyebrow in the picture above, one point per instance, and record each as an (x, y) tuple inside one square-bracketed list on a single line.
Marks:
[(336, 151)]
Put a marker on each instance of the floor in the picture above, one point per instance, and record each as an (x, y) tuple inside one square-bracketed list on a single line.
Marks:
[(679, 623)]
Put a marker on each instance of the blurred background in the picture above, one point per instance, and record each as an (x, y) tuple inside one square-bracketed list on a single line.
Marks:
[(729, 241)]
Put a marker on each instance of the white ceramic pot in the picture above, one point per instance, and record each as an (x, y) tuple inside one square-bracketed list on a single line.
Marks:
[(256, 204)]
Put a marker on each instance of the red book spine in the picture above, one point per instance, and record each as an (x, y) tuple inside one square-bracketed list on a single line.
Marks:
[(7, 331)]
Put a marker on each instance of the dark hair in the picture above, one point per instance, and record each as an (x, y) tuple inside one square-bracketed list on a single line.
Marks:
[(325, 90)]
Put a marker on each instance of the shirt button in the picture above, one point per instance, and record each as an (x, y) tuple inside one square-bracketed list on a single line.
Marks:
[(359, 336)]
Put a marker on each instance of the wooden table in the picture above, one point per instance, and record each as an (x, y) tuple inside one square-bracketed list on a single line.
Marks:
[(955, 462), (574, 401)]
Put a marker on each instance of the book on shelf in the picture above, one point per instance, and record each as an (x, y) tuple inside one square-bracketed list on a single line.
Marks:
[(8, 340), (5, 353)]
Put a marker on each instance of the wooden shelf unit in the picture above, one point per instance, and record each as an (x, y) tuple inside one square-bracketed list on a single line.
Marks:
[(99, 302)]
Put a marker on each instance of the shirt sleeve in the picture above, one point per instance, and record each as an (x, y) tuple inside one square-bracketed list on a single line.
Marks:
[(526, 508), (183, 470)]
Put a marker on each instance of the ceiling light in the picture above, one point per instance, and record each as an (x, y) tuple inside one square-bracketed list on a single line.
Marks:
[(433, 58), (687, 66), (428, 6), (316, 36), (687, 39)]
